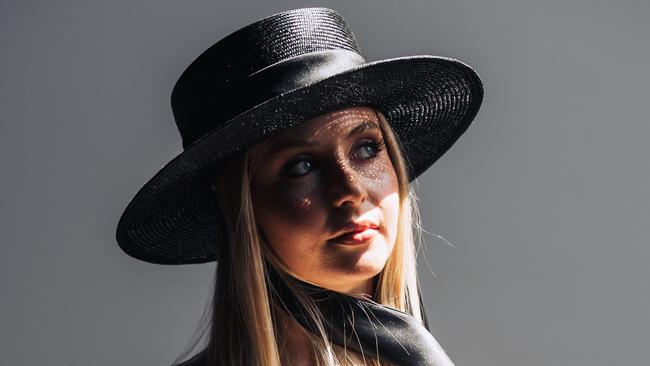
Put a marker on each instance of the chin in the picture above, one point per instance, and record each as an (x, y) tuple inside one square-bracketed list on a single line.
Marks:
[(352, 268), (357, 275), (373, 260)]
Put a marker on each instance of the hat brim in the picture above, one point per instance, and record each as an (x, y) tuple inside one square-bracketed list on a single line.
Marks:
[(429, 102)]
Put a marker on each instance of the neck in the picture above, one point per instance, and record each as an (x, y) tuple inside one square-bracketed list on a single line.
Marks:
[(365, 288)]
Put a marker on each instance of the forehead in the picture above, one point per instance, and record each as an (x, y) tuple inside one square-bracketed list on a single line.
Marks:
[(334, 124)]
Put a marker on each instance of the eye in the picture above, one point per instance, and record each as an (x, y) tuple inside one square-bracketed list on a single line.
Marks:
[(299, 167), (369, 149)]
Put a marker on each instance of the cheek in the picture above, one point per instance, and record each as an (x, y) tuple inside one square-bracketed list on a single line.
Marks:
[(382, 182), (380, 178), (390, 206), (288, 218), (290, 203)]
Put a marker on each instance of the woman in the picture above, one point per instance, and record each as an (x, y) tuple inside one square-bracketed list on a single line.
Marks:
[(295, 178)]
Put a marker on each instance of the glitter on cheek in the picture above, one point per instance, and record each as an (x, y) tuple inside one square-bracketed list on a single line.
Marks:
[(295, 198), (379, 176), (305, 204)]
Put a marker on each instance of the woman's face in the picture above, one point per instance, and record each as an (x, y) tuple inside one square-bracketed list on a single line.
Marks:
[(325, 196)]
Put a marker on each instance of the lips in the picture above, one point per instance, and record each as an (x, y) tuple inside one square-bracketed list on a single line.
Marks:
[(356, 233)]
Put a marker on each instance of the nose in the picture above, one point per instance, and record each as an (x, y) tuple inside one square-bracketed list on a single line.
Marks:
[(346, 187)]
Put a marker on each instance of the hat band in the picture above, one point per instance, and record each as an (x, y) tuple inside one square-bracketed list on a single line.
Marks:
[(297, 72)]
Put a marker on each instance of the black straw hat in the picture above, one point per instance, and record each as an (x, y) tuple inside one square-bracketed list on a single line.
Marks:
[(271, 75)]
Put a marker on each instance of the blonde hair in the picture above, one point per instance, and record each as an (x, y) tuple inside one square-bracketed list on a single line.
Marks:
[(245, 324)]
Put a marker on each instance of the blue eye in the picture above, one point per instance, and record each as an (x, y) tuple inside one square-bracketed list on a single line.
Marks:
[(299, 167), (370, 149)]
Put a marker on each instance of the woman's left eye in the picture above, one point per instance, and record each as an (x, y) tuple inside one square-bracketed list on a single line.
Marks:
[(369, 149)]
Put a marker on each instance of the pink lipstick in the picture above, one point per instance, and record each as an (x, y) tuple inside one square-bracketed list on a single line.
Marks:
[(357, 237)]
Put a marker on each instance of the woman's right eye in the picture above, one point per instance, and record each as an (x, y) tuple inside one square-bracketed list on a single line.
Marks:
[(299, 167)]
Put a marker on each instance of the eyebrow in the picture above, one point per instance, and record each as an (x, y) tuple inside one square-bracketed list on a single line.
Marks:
[(294, 144)]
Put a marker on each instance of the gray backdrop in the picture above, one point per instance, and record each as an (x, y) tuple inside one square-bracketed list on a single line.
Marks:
[(545, 200)]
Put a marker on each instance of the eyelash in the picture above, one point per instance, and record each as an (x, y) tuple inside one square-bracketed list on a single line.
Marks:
[(377, 146)]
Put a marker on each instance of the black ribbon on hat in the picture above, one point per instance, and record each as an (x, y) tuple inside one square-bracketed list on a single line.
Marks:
[(364, 326), (295, 73)]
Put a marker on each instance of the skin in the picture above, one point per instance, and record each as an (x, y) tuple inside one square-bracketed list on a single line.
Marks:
[(303, 196)]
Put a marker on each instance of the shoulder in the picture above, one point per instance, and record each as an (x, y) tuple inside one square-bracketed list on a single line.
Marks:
[(200, 359)]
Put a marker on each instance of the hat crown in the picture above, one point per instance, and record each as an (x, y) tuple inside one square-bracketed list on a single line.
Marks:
[(212, 89)]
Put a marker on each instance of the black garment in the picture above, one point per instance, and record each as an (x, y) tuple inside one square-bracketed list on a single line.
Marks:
[(360, 325)]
